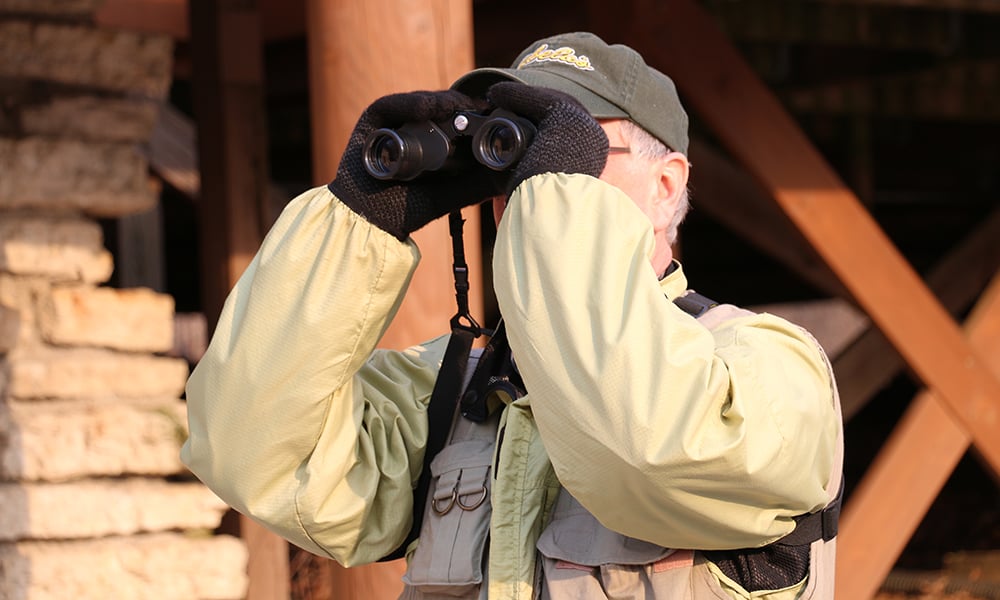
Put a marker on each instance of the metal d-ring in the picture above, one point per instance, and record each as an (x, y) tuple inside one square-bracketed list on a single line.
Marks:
[(482, 498), (451, 502)]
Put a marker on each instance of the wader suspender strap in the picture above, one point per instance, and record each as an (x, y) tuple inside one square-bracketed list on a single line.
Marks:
[(818, 525), (695, 304), (448, 386)]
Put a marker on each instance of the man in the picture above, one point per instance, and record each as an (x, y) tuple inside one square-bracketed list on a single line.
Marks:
[(649, 454)]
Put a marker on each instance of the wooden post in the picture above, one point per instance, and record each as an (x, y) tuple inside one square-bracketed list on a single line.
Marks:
[(229, 108), (358, 51)]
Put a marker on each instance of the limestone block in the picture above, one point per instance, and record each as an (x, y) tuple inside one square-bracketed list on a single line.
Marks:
[(138, 320), (63, 440), (10, 325), (92, 373), (19, 294), (91, 118), (151, 567), (83, 55), (61, 249), (63, 8), (97, 508), (102, 179)]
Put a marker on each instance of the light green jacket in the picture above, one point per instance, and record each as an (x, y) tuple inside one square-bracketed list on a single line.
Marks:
[(662, 429)]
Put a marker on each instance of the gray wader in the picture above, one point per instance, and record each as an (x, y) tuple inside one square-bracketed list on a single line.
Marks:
[(578, 558)]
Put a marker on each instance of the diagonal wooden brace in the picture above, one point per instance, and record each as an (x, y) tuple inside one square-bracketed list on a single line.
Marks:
[(963, 401), (682, 39), (910, 471)]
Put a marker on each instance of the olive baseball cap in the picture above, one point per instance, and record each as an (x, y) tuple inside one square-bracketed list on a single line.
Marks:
[(611, 81)]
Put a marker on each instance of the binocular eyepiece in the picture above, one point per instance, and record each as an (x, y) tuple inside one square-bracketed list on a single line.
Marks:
[(497, 140)]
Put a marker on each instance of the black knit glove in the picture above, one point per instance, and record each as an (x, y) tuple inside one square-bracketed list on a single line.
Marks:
[(401, 207), (568, 139)]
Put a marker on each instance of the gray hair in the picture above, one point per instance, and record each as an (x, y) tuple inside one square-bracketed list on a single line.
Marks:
[(649, 148)]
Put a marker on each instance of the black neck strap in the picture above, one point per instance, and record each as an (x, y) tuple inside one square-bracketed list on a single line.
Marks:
[(448, 387)]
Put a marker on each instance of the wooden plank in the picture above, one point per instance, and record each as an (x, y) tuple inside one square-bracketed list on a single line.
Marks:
[(431, 45), (896, 492), (753, 125), (229, 103)]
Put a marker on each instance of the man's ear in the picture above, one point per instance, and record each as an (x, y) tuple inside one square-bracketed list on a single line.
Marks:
[(674, 170)]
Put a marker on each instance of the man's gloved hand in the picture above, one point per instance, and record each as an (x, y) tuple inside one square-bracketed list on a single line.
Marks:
[(568, 139), (401, 207)]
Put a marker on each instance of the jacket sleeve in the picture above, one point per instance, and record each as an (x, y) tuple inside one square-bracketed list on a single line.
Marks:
[(295, 419), (663, 429)]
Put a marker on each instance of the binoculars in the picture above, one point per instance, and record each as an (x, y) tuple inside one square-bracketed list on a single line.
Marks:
[(497, 140)]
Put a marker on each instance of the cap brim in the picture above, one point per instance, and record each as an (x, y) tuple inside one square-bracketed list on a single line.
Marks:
[(475, 83)]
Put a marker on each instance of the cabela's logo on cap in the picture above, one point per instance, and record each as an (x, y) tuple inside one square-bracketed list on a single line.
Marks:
[(565, 55)]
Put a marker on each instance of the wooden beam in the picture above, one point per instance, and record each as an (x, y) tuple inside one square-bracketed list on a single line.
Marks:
[(870, 362), (752, 123), (960, 91), (974, 6), (874, 25), (896, 492), (279, 19), (168, 17), (232, 149), (232, 141), (282, 19), (373, 49)]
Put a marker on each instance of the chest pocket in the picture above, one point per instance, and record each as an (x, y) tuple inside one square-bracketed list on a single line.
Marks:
[(580, 558), (575, 536), (448, 561)]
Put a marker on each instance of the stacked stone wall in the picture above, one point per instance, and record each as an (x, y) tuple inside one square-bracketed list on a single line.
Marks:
[(94, 502)]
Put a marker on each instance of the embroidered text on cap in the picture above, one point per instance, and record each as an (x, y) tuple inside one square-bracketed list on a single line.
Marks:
[(565, 55)]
